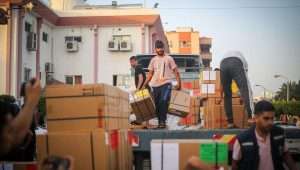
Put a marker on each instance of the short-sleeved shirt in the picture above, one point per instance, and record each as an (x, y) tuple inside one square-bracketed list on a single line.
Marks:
[(137, 71), (163, 68), (265, 155)]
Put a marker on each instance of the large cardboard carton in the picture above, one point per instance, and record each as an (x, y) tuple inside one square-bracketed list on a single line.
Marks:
[(41, 148), (215, 116), (91, 150), (143, 105), (86, 107), (180, 103), (174, 154), (125, 157), (81, 90), (193, 117)]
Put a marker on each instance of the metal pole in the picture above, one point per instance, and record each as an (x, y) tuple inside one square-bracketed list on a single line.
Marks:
[(288, 91)]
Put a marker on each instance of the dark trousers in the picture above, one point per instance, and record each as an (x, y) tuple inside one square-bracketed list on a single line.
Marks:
[(232, 69), (162, 96)]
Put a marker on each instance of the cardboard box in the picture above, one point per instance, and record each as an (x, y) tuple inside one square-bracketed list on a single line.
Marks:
[(176, 153), (125, 154), (143, 106), (210, 84), (86, 107), (91, 150), (81, 90), (41, 148), (215, 116), (180, 103)]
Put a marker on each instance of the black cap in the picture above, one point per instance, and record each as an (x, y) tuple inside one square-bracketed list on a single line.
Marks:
[(159, 44)]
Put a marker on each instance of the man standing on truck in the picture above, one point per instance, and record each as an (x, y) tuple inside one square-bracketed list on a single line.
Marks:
[(262, 147), (162, 67), (139, 73), (235, 67)]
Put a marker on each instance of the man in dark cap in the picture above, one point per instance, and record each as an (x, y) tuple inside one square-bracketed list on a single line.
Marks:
[(162, 69)]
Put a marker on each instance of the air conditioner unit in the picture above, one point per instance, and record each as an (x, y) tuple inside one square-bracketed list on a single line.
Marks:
[(49, 68), (125, 46), (113, 45), (72, 46), (31, 41)]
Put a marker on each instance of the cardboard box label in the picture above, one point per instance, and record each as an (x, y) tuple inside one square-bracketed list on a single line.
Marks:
[(214, 153), (165, 156), (208, 88), (114, 139), (209, 75)]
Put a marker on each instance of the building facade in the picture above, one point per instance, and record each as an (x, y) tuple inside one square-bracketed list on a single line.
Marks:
[(184, 40), (75, 44)]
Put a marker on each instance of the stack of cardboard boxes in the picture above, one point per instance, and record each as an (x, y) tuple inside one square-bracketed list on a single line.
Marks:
[(89, 123), (213, 105), (174, 154)]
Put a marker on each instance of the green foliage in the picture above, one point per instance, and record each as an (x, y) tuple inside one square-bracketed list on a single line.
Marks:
[(294, 91), (291, 107)]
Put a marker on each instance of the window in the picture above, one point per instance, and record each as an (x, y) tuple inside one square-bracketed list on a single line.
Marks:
[(27, 74), (185, 44), (68, 38), (77, 38), (74, 79), (45, 37), (73, 38), (78, 79), (69, 80), (28, 27), (205, 48)]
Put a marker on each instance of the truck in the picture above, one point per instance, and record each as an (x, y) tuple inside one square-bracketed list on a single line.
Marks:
[(190, 67)]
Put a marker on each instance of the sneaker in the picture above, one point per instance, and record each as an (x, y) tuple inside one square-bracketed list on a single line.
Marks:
[(162, 126)]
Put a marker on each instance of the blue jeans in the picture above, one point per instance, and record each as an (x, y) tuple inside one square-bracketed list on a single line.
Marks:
[(162, 96)]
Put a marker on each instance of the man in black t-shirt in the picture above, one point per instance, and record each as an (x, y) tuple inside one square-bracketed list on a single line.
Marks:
[(139, 73)]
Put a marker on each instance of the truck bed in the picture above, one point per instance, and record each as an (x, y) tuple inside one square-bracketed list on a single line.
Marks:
[(145, 136)]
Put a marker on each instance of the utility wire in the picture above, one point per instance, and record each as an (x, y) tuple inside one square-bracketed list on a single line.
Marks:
[(237, 7)]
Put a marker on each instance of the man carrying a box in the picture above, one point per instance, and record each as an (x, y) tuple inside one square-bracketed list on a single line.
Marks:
[(262, 147), (139, 73), (161, 70), (235, 67)]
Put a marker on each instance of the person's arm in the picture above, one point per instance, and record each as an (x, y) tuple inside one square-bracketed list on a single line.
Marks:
[(16, 131), (148, 79), (222, 95), (289, 161), (150, 73), (236, 155), (178, 79), (194, 163), (176, 73), (140, 81)]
